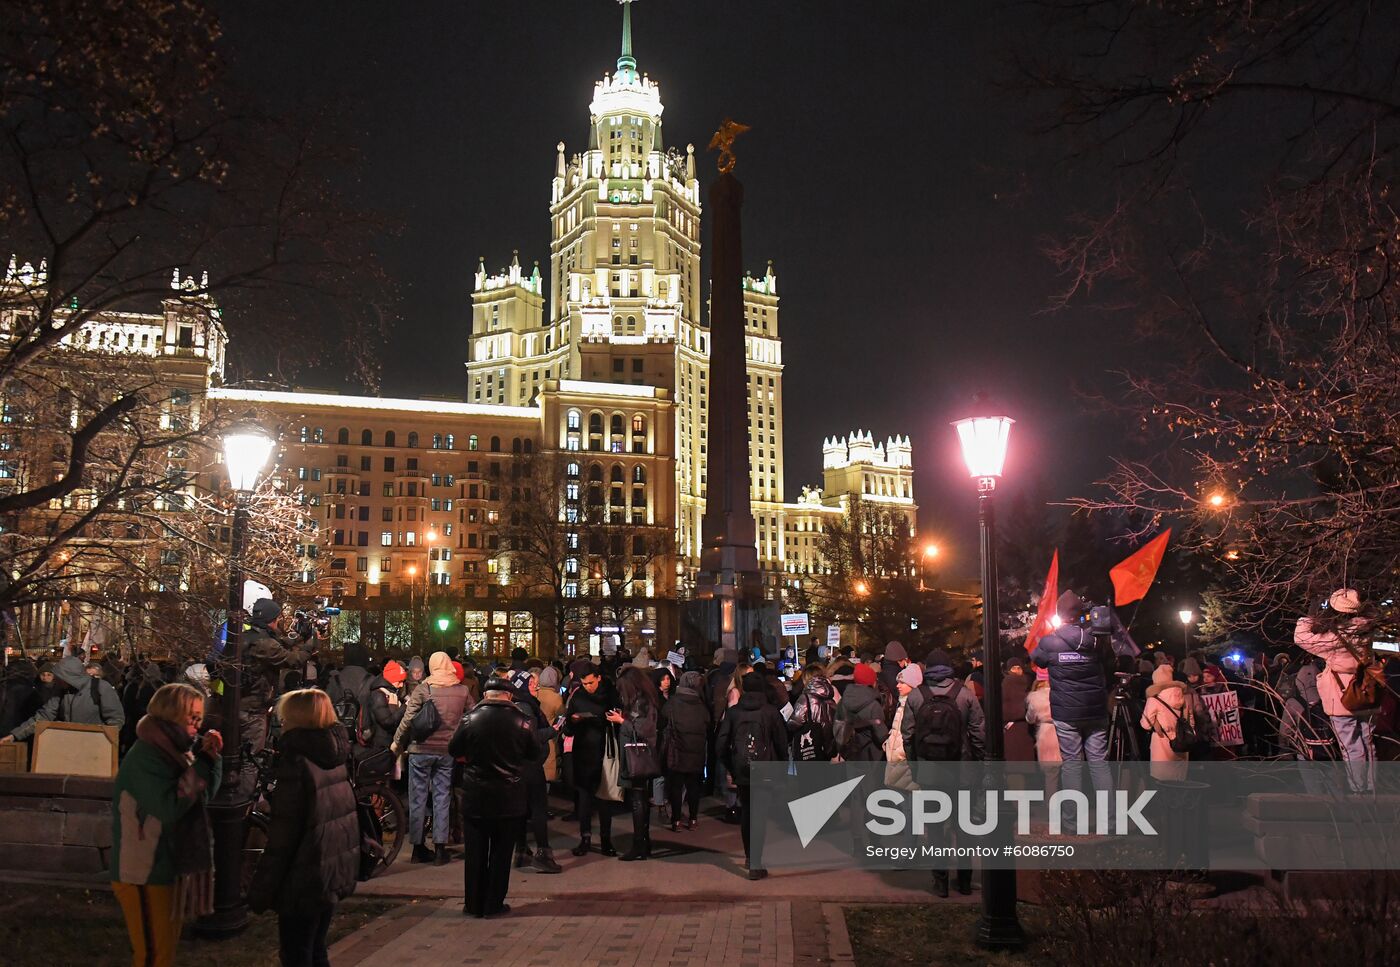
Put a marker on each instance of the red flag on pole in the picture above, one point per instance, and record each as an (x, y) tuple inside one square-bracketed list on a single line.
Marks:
[(1045, 614), (1135, 574)]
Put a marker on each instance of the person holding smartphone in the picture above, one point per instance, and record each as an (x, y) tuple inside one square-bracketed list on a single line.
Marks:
[(531, 700), (586, 719)]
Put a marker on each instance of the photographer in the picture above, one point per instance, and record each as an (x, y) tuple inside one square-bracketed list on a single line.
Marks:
[(263, 653), (1339, 634), (1079, 658)]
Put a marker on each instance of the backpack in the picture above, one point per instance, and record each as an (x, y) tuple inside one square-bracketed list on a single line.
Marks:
[(749, 745), (1186, 737), (811, 742), (938, 727)]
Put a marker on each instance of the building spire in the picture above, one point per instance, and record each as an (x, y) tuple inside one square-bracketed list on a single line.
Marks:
[(627, 63)]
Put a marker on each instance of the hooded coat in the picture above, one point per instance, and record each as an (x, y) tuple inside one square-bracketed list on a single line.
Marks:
[(452, 701), (552, 706), (312, 857), (86, 701), (861, 709), (1166, 706), (685, 727)]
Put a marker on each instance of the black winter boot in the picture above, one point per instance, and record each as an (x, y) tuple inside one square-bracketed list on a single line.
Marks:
[(421, 854), (605, 846), (584, 845), (940, 883), (544, 861), (441, 856)]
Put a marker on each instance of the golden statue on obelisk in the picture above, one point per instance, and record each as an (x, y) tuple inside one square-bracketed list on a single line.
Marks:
[(723, 140)]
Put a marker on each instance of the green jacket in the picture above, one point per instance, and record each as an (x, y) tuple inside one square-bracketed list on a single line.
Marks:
[(145, 810)]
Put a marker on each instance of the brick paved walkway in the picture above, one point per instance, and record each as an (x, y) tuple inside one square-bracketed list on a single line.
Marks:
[(573, 933)]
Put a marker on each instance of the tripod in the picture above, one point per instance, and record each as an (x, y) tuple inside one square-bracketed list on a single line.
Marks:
[(1122, 729)]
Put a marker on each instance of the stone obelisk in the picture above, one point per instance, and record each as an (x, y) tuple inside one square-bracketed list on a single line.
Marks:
[(729, 555)]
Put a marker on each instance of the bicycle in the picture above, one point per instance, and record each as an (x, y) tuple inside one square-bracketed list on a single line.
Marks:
[(374, 792), (386, 805)]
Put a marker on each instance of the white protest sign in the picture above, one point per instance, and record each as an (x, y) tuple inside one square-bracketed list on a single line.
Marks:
[(1224, 708), (795, 624)]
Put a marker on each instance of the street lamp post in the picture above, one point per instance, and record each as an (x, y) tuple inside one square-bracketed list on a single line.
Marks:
[(1186, 618), (984, 439), (246, 449)]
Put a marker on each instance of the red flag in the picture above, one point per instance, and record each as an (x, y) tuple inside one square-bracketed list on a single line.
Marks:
[(1135, 574), (1046, 612)]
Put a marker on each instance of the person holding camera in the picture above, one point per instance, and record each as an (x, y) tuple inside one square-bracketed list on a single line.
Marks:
[(1078, 656), (264, 653)]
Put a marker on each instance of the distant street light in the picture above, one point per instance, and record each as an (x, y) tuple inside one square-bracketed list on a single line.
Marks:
[(984, 438), (930, 550), (1186, 617), (1216, 500), (247, 447), (862, 588)]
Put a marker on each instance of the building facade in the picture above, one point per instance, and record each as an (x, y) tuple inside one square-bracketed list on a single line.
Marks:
[(600, 366)]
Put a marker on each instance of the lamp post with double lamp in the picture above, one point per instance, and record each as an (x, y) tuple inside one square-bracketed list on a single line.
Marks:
[(984, 438), (247, 447), (1186, 617)]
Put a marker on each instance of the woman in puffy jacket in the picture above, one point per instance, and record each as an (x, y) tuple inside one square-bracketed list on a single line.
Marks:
[(685, 730), (1338, 635), (313, 843)]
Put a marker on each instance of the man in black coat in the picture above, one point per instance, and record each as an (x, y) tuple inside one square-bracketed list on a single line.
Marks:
[(498, 743)]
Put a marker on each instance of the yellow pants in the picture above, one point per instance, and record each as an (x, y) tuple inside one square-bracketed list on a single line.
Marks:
[(154, 934)]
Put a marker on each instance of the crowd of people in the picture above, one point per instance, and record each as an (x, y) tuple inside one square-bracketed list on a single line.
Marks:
[(480, 748)]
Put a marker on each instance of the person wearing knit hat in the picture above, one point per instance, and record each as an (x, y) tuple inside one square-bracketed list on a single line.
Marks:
[(384, 707), (1339, 635), (897, 774), (1190, 671), (1166, 709), (865, 675)]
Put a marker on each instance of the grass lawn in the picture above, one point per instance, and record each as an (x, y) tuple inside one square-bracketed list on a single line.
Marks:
[(930, 935), (47, 925)]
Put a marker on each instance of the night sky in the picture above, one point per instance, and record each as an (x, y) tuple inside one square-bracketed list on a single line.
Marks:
[(898, 186)]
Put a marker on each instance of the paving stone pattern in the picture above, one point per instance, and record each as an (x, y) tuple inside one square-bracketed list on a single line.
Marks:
[(573, 933)]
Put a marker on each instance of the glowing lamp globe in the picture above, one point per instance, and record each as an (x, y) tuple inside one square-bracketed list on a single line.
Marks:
[(246, 450), (1185, 616), (442, 624), (984, 440)]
